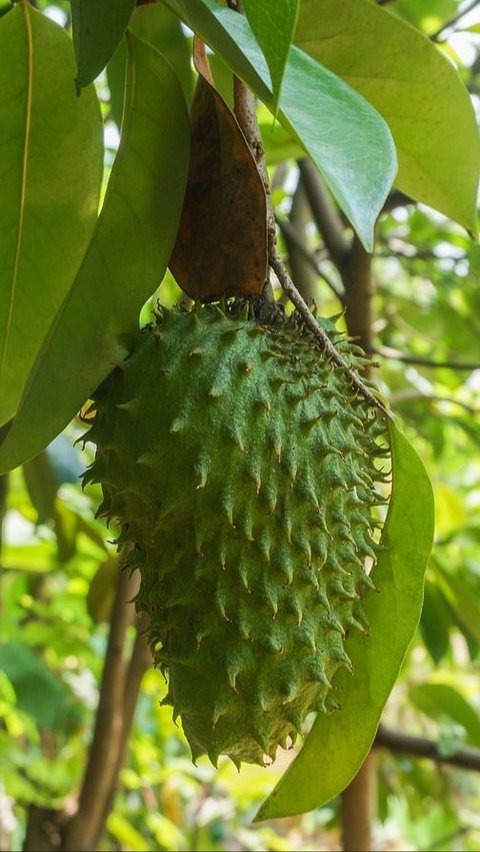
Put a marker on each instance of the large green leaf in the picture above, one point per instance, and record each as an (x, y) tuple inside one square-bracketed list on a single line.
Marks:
[(338, 743), (125, 260), (97, 26), (273, 22), (416, 89), (345, 137), (51, 167)]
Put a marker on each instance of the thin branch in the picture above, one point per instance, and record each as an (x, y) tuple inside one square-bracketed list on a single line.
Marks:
[(82, 831), (454, 20), (397, 741), (246, 114), (413, 395), (396, 355), (326, 217), (140, 661), (290, 233)]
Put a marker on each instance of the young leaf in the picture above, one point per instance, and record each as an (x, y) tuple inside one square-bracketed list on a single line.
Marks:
[(416, 89), (125, 260), (346, 138), (97, 28), (338, 743), (273, 23), (51, 165)]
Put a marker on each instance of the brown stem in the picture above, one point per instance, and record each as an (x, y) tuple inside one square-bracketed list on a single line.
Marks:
[(324, 212), (397, 741), (303, 272), (357, 279), (358, 808), (82, 832), (358, 801), (140, 661)]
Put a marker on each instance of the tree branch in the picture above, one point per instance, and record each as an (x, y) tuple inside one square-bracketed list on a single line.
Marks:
[(325, 214), (82, 831), (140, 661), (454, 20), (291, 235), (395, 354), (397, 741), (304, 273)]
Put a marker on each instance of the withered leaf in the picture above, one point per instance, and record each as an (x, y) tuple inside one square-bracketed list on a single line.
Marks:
[(221, 246)]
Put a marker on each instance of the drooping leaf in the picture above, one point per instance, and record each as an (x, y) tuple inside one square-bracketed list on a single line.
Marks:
[(51, 166), (38, 691), (125, 260), (416, 89), (97, 27), (346, 138), (221, 245), (273, 23), (436, 622), (438, 700), (338, 743)]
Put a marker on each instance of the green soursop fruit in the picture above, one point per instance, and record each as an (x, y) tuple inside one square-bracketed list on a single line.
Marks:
[(240, 464)]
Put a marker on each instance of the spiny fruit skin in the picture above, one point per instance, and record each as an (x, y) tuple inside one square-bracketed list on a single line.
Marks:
[(240, 464)]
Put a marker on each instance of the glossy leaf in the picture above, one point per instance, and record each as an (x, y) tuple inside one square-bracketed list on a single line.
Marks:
[(273, 23), (51, 167), (97, 27), (338, 743), (125, 260), (346, 138), (416, 89)]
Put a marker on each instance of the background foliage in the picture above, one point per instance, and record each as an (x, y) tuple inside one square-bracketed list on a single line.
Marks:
[(59, 567)]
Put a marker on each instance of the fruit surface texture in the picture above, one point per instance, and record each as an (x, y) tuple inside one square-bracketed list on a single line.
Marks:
[(242, 468)]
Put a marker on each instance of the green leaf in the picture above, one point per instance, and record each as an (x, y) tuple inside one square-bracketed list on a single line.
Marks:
[(441, 699), (51, 155), (273, 23), (416, 89), (156, 25), (435, 623), (125, 260), (97, 27), (39, 693), (101, 592), (338, 743), (346, 138)]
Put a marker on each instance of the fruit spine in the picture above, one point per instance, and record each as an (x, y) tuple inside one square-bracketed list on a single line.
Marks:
[(240, 465)]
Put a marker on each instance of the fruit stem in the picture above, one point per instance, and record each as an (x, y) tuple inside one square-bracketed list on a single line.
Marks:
[(246, 114)]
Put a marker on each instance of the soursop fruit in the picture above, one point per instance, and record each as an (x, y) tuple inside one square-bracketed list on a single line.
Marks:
[(241, 467)]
